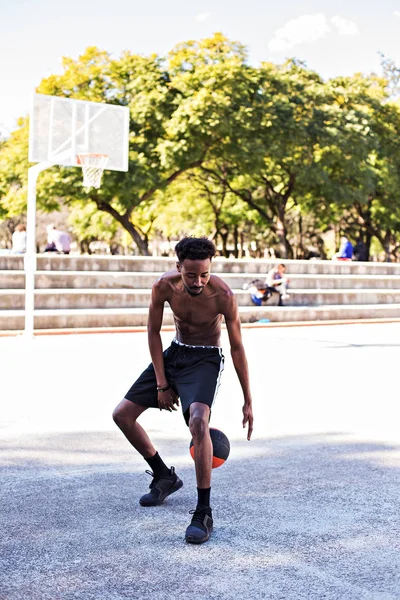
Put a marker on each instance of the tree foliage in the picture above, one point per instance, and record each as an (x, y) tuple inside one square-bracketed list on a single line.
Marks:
[(270, 154)]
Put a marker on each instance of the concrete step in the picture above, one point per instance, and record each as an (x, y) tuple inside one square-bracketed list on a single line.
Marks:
[(326, 297), (66, 319), (142, 280), (48, 262), (77, 299), (97, 298), (134, 317)]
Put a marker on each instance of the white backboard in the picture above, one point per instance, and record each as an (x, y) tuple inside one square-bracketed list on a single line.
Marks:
[(62, 128)]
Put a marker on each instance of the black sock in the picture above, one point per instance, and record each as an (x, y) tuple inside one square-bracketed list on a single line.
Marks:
[(158, 466), (203, 496)]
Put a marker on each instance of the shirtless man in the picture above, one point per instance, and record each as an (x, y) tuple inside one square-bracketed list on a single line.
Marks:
[(188, 370)]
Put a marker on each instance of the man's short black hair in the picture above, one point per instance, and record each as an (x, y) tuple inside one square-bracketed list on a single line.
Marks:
[(195, 249)]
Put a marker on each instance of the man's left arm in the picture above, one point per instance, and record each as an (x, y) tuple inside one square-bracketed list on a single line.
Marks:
[(232, 320)]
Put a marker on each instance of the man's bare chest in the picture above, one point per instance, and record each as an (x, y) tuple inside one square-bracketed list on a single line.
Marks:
[(195, 311)]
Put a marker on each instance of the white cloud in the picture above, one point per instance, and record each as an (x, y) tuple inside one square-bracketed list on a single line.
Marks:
[(344, 26), (202, 16), (396, 13), (305, 29)]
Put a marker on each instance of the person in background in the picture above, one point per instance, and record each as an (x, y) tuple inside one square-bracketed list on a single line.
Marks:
[(276, 279), (261, 294), (19, 239), (360, 251), (345, 250), (57, 241)]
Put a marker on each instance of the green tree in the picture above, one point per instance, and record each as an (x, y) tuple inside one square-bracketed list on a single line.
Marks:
[(179, 114), (361, 163), (193, 205), (271, 155), (275, 162), (379, 215)]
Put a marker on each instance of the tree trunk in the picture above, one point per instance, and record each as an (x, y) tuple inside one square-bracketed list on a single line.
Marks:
[(236, 241), (84, 247), (142, 244), (395, 253), (124, 220), (385, 243), (240, 254), (224, 238), (285, 249), (300, 253), (368, 240), (386, 247), (368, 223), (321, 247)]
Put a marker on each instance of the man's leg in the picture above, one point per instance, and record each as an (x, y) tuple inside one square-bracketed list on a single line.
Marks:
[(165, 481), (198, 425), (283, 290), (125, 416), (201, 526)]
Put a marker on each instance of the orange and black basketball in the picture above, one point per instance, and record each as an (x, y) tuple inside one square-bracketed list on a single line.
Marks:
[(221, 447)]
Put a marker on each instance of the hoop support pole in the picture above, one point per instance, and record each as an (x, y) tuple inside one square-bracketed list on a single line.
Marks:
[(30, 259)]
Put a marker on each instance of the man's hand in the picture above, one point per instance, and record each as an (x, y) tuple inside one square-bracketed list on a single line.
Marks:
[(248, 418), (168, 400)]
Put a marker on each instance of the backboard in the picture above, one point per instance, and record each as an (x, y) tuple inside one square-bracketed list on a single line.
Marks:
[(62, 128)]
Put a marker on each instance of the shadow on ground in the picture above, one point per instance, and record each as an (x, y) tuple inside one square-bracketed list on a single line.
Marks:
[(307, 517)]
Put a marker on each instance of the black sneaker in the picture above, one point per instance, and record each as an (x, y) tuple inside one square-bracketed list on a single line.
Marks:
[(160, 488), (201, 526)]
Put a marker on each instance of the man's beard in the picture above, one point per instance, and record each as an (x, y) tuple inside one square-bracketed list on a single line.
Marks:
[(194, 293)]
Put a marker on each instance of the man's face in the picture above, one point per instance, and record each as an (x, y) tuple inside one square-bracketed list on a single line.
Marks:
[(281, 270), (195, 274)]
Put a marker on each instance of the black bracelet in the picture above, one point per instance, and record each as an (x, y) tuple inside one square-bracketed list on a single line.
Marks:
[(163, 389)]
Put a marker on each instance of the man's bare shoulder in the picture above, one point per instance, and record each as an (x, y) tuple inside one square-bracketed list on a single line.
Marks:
[(222, 290), (167, 282), (219, 284)]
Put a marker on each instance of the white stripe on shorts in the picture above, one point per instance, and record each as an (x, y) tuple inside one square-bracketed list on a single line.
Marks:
[(221, 368), (190, 346)]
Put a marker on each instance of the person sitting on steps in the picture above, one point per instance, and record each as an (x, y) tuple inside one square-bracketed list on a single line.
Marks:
[(276, 280)]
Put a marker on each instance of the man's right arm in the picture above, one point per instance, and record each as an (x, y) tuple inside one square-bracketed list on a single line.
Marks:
[(156, 311), (168, 399)]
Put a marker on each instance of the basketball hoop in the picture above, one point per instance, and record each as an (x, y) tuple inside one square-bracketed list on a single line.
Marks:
[(93, 166)]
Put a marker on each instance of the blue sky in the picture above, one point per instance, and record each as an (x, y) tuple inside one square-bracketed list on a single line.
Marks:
[(333, 38)]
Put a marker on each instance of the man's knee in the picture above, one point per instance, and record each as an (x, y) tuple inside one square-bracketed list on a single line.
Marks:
[(118, 415), (198, 422), (126, 412)]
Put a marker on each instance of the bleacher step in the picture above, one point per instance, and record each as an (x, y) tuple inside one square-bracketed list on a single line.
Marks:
[(131, 317), (78, 298), (143, 280), (128, 264)]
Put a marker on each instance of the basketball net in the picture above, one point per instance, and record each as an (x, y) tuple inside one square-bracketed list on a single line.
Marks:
[(93, 166)]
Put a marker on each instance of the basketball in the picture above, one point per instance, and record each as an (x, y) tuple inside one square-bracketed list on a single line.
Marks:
[(221, 447)]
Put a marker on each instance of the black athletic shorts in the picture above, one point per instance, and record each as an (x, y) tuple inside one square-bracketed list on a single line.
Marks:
[(194, 372)]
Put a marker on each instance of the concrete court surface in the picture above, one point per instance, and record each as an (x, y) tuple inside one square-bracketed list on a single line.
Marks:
[(309, 509)]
